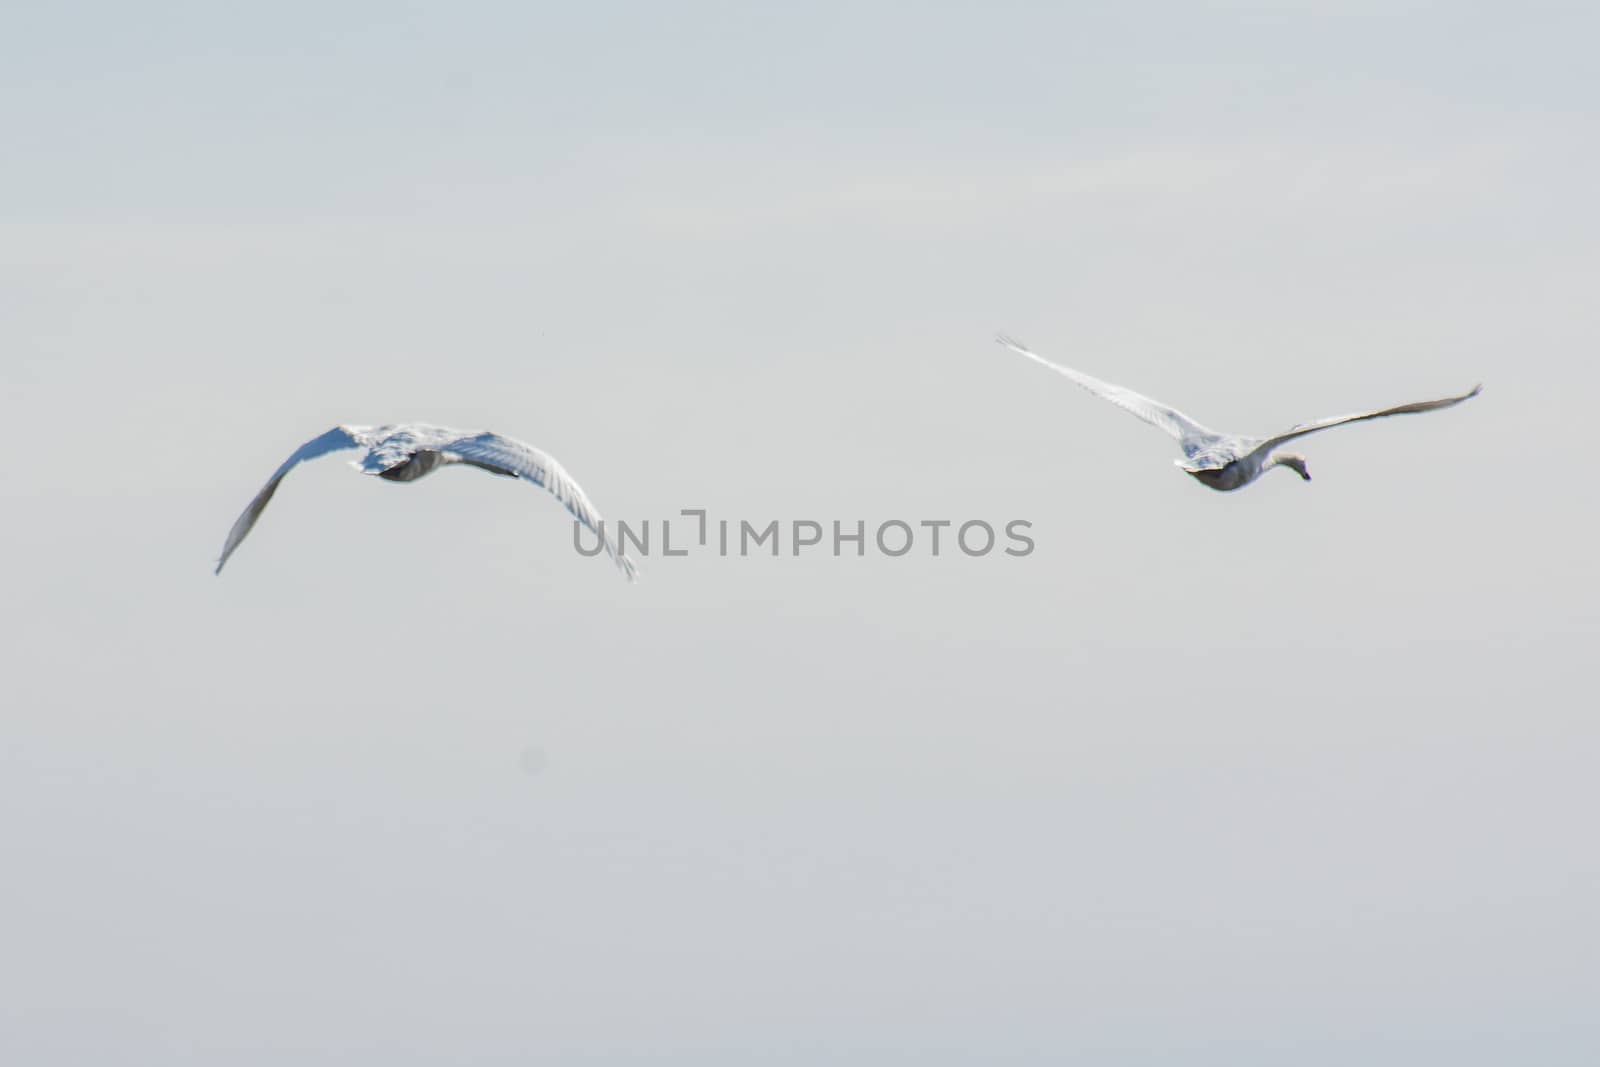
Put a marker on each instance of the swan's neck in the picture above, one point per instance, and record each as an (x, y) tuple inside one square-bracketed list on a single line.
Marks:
[(1293, 461), (423, 461)]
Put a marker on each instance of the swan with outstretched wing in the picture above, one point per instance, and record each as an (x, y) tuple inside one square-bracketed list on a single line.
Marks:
[(404, 453), (1219, 460)]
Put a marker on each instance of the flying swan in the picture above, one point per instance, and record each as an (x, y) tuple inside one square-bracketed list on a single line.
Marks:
[(1223, 461), (406, 452)]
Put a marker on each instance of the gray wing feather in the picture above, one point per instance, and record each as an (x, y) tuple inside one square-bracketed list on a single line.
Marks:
[(505, 455), (336, 439), (1190, 434), (1339, 420)]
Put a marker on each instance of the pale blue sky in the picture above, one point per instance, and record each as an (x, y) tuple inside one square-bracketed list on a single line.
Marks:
[(1300, 774)]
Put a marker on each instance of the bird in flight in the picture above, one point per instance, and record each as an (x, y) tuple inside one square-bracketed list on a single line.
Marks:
[(406, 452), (1220, 460)]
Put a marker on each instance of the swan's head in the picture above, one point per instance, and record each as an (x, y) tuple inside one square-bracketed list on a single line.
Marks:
[(1294, 461)]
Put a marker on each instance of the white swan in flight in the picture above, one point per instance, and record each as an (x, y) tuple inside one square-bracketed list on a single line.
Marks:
[(1219, 460), (406, 452)]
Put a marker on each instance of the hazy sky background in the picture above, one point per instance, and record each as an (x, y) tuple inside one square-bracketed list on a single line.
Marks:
[(1303, 774)]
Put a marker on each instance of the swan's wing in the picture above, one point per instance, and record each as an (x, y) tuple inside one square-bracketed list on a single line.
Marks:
[(505, 455), (1190, 434), (340, 437), (1339, 420)]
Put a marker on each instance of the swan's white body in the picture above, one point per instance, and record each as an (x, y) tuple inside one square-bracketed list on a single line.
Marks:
[(406, 452), (1219, 460)]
